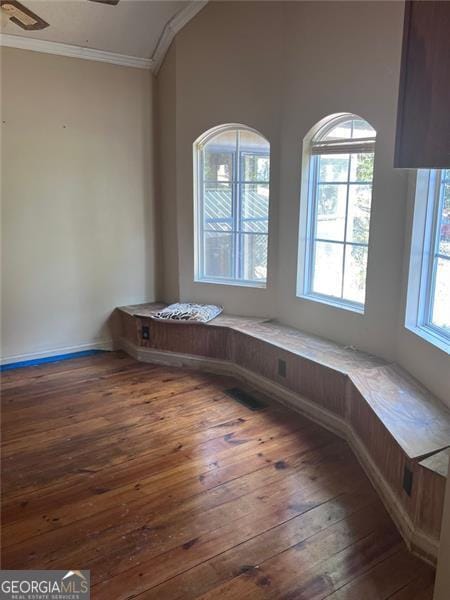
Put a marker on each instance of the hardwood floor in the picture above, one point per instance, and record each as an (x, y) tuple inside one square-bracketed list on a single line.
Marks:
[(165, 487)]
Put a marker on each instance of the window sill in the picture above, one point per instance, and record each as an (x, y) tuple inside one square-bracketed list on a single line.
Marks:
[(329, 301), (234, 283), (431, 336)]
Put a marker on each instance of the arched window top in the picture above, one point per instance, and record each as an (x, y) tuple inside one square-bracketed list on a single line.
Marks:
[(344, 133), (225, 136), (232, 198)]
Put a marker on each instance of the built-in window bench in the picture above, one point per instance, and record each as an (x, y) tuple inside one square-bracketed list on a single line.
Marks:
[(398, 429)]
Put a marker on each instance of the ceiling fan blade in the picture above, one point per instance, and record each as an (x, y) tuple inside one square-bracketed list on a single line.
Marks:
[(22, 16), (111, 2)]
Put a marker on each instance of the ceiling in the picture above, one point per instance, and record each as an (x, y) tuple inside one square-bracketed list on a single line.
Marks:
[(133, 28)]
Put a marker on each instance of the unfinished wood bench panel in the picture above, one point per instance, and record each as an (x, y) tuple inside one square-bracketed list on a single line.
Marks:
[(383, 448), (417, 420), (197, 339), (431, 475), (126, 325), (321, 384)]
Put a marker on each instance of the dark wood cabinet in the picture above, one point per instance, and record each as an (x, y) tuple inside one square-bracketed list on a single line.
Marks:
[(423, 118)]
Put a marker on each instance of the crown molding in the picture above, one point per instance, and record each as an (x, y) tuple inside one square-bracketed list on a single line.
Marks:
[(172, 28), (153, 64), (25, 43)]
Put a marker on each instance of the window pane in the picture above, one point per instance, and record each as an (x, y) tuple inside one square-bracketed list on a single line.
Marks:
[(441, 305), (218, 157), (218, 225), (218, 166), (331, 201), (249, 141), (218, 257), (343, 131), (444, 233), (333, 167), (355, 273), (361, 167), (362, 129), (327, 273), (254, 207), (358, 217), (440, 314), (217, 201), (254, 256), (256, 167)]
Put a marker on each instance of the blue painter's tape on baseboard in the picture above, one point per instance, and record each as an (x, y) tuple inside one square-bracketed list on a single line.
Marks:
[(48, 359)]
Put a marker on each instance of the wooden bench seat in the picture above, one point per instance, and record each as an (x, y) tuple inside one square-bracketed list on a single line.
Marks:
[(418, 421), (392, 422), (437, 463), (322, 351), (432, 473)]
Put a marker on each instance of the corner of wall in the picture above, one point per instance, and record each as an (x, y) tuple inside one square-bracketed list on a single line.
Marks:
[(166, 177)]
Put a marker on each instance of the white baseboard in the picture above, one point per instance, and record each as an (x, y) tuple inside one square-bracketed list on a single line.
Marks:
[(416, 540), (95, 345)]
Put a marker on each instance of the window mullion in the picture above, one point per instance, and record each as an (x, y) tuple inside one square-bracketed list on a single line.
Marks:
[(237, 224), (201, 216)]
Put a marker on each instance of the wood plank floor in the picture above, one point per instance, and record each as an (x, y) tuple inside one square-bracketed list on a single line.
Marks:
[(165, 487)]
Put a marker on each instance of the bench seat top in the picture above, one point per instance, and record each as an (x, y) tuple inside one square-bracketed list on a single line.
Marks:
[(419, 422), (438, 463), (320, 350)]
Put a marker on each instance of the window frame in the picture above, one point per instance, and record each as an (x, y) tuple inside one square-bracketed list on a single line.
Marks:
[(236, 219), (423, 259), (314, 147)]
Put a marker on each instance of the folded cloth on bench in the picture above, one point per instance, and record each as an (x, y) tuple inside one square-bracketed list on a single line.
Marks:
[(187, 311)]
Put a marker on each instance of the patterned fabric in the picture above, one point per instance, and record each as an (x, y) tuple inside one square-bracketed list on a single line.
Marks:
[(185, 311)]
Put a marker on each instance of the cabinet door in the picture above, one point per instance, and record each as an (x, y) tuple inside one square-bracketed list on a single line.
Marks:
[(423, 119)]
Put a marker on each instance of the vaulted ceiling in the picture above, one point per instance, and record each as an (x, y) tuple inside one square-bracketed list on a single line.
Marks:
[(134, 28)]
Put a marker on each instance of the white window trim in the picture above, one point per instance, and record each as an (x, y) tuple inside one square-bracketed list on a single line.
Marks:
[(307, 208), (199, 277), (423, 240), (232, 282)]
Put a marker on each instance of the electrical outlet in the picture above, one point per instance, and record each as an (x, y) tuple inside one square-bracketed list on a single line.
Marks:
[(281, 367), (145, 332), (407, 480)]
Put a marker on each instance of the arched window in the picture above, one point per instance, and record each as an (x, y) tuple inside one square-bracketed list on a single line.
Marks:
[(232, 206), (339, 200)]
